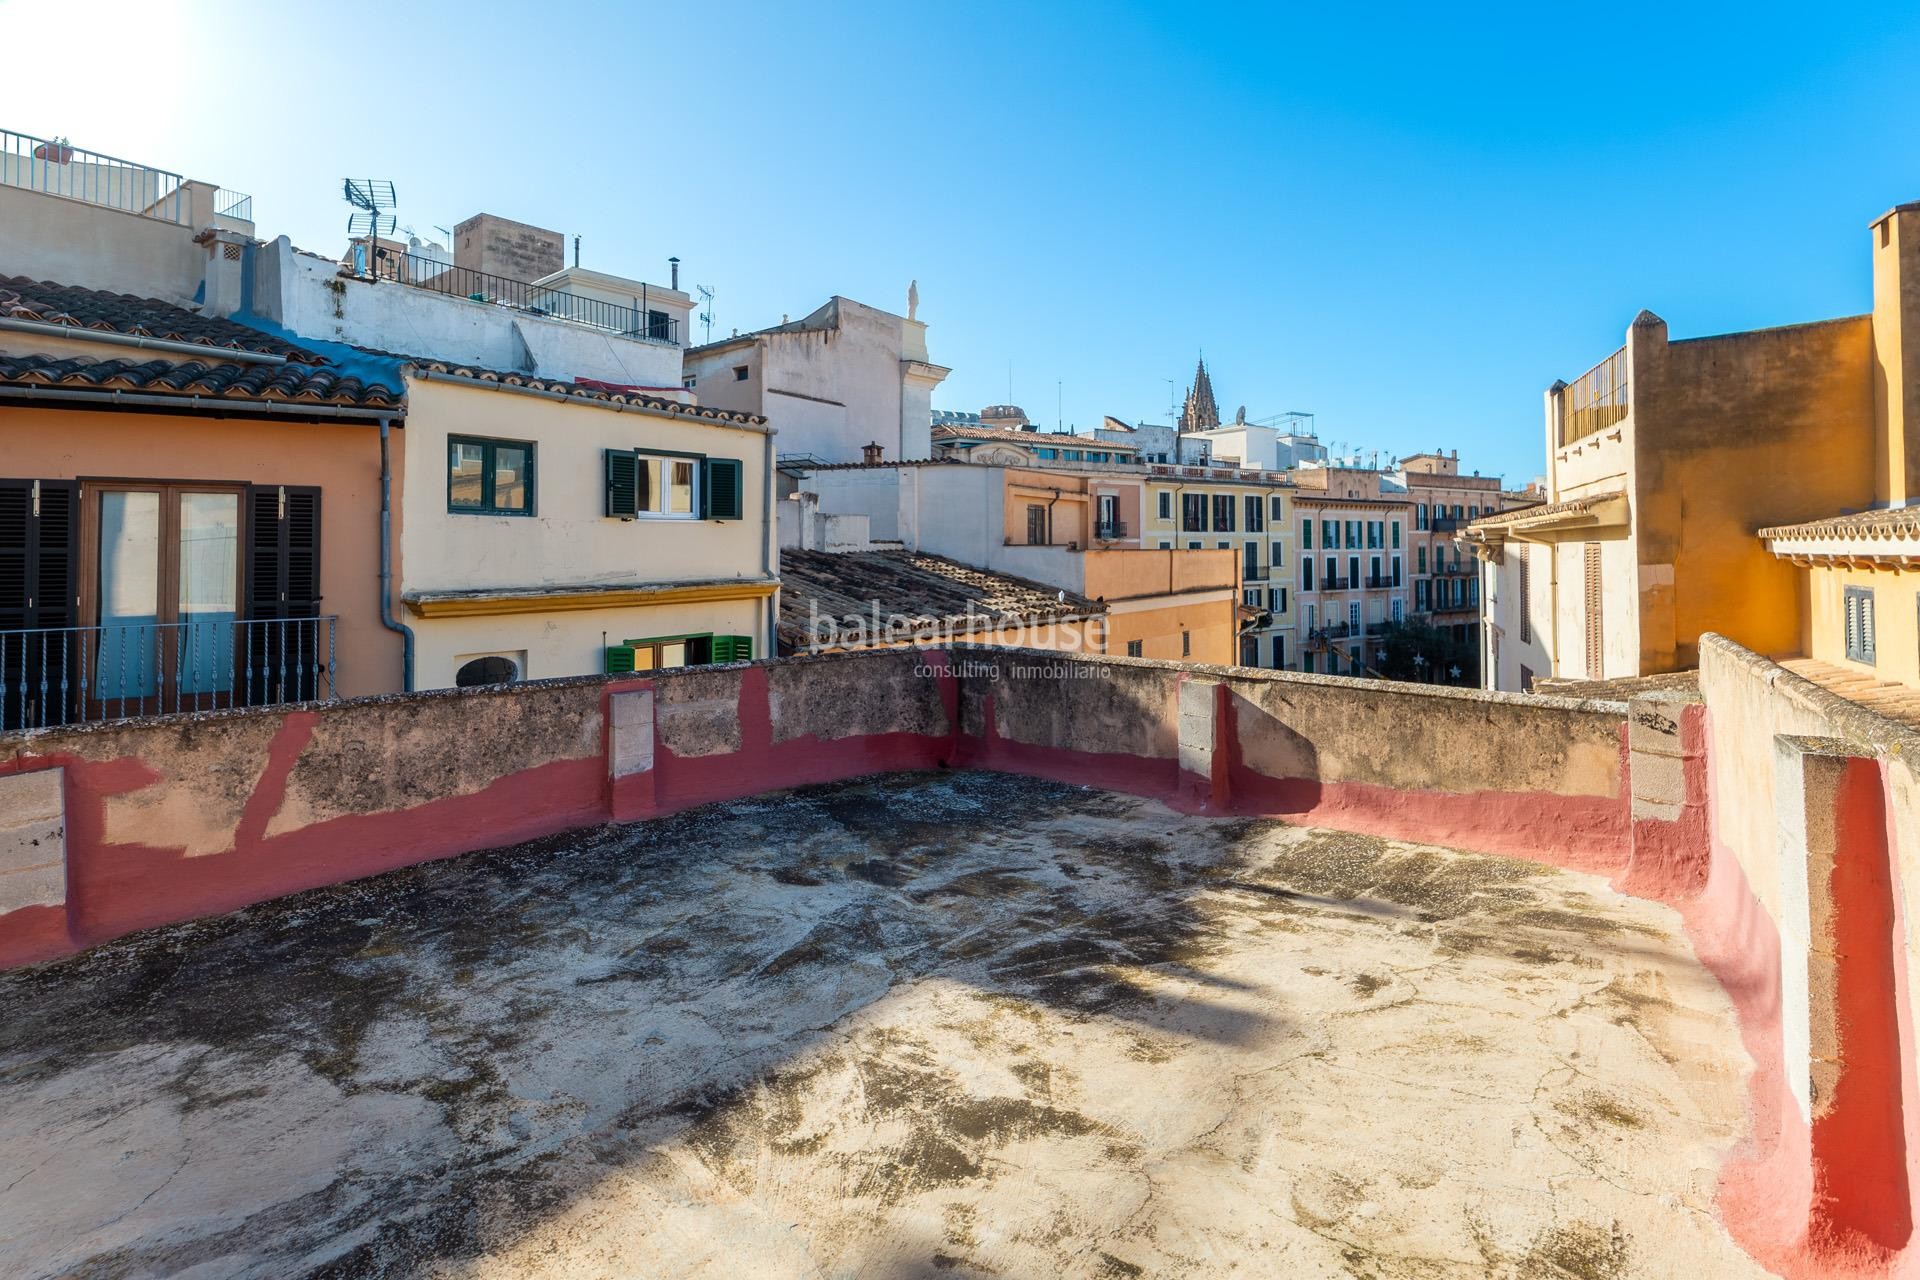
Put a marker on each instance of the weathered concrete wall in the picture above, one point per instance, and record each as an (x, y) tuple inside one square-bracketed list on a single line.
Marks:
[(1805, 917), (51, 237), (1532, 777)]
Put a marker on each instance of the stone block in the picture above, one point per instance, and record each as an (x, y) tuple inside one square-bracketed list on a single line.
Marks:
[(631, 748), (1196, 705), (33, 840)]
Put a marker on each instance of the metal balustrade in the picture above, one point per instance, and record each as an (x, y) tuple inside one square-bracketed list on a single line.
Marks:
[(58, 168), (117, 671), (641, 320)]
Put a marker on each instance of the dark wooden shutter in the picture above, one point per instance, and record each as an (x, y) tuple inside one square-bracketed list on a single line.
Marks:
[(722, 485), (39, 557), (1526, 597), (289, 662), (623, 484)]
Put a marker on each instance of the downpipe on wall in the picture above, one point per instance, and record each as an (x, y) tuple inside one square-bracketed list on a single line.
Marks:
[(386, 561)]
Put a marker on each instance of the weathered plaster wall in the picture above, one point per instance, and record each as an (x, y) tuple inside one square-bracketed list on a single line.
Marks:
[(51, 237), (1896, 611)]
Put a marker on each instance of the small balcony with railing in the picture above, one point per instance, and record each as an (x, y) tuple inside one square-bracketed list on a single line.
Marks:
[(1380, 582), (1595, 401), (51, 676), (638, 319), (1110, 530)]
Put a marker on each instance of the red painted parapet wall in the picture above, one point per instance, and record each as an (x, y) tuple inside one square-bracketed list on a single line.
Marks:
[(113, 828)]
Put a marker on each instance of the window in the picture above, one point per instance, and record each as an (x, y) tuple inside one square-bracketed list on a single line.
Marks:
[(672, 486), (1279, 652), (1374, 576), (1396, 535), (1330, 535), (1256, 514), (1223, 513), (1036, 525), (1353, 617), (1306, 662), (1420, 558), (1306, 574), (1194, 545), (1398, 609), (664, 653), (1193, 512), (1279, 512), (1250, 562), (1186, 644), (494, 668), (1375, 534), (740, 373), (1353, 571), (1859, 623), (1165, 545), (1422, 596), (1166, 505), (1249, 651), (1274, 557), (1134, 646), (1226, 546), (1313, 616), (1396, 571), (1420, 516), (489, 477), (1331, 575), (1306, 533), (1353, 535)]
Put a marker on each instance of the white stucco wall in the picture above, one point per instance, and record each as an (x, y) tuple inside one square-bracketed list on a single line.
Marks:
[(308, 295), (860, 376), (50, 237)]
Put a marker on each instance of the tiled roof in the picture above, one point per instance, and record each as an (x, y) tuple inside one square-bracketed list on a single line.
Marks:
[(932, 592), (289, 383), (1030, 439), (1548, 511), (45, 302), (575, 390), (1902, 523)]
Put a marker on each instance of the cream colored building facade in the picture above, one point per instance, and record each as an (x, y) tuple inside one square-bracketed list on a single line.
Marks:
[(543, 528), (1249, 513)]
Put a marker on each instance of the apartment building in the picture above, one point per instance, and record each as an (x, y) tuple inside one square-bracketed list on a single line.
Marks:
[(1249, 513), (1073, 529), (1352, 582), (1665, 460), (1446, 574), (1003, 434)]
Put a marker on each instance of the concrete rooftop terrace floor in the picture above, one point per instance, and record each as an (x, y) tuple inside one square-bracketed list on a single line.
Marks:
[(951, 1024)]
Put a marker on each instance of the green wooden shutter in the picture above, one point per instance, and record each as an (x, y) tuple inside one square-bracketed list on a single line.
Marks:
[(722, 488), (623, 484), (619, 659), (732, 649)]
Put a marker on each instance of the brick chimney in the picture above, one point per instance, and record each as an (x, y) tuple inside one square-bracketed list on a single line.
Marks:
[(870, 452)]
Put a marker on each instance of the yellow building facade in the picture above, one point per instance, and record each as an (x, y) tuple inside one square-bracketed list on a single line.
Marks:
[(1249, 514)]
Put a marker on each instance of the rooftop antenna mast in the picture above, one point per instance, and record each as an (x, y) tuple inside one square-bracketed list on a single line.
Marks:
[(706, 308), (371, 199)]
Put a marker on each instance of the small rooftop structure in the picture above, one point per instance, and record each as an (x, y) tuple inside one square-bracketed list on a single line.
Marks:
[(916, 594)]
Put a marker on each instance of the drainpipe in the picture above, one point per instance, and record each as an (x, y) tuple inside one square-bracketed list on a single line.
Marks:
[(768, 533), (387, 619)]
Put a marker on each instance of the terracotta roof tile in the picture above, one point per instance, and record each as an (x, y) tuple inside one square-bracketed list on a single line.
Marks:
[(1054, 439), (45, 302), (934, 593), (575, 390), (283, 383), (1901, 522)]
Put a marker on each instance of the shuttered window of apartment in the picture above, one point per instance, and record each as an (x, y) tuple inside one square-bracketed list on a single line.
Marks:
[(1859, 616), (1526, 599), (1596, 661), (39, 558)]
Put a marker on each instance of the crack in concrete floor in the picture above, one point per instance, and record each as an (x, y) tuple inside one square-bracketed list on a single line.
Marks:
[(953, 1024)]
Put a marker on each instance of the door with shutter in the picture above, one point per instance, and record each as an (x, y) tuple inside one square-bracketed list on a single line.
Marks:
[(1596, 635), (39, 550), (289, 652)]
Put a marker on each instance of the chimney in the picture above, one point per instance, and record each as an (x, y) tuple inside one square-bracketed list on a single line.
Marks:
[(674, 264), (870, 453)]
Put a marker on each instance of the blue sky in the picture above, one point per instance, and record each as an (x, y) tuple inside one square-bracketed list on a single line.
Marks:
[(1408, 225)]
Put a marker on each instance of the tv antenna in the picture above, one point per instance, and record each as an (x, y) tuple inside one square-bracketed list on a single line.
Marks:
[(371, 199), (706, 308)]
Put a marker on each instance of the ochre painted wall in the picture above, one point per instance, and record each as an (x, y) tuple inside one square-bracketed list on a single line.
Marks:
[(1896, 609), (342, 459)]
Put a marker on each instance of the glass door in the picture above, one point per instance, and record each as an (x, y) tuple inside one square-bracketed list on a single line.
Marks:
[(165, 598)]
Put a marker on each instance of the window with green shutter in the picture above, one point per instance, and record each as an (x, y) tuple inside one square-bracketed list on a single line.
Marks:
[(666, 653), (722, 487)]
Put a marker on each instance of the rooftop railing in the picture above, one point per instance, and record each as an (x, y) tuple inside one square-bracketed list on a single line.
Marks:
[(640, 320), (1595, 400), (58, 168), (233, 204)]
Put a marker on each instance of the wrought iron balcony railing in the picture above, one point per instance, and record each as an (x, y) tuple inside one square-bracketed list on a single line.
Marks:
[(641, 320), (1108, 530), (117, 671)]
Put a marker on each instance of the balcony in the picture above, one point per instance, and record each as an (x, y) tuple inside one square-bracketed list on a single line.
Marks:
[(1380, 582), (1110, 530), (1336, 584), (437, 275), (1595, 400), (1446, 524), (1458, 569), (56, 168), (121, 671), (1254, 573)]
